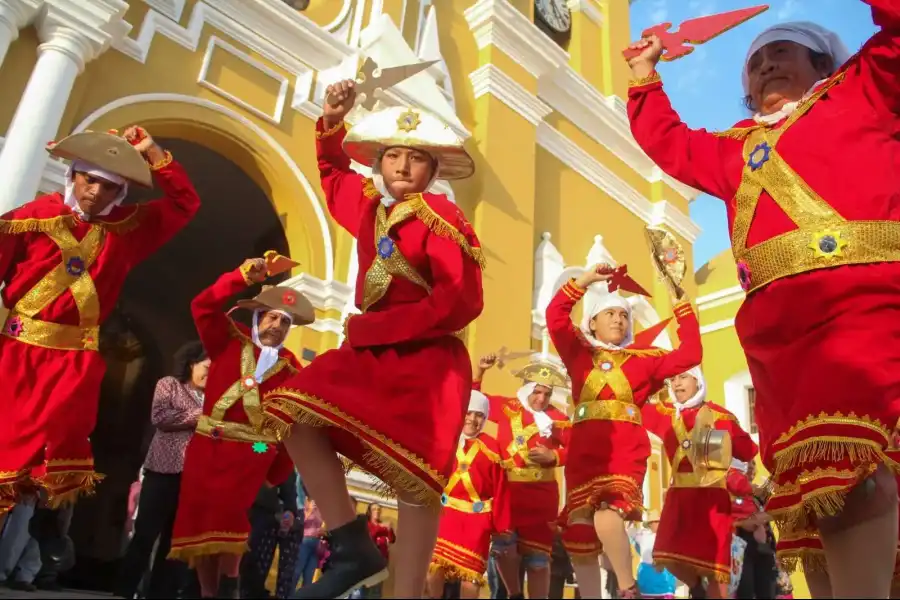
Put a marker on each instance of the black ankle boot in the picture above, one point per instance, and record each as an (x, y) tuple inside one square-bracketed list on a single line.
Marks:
[(355, 562), (228, 588), (698, 590)]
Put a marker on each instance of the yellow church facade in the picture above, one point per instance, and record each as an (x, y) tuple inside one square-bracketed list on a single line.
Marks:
[(234, 87)]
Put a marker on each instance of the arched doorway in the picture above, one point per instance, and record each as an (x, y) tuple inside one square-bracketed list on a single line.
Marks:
[(152, 320)]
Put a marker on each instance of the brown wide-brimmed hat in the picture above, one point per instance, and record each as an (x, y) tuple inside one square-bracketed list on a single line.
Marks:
[(284, 299), (107, 151)]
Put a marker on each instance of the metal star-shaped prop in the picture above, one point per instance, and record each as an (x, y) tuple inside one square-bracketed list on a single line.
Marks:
[(260, 447)]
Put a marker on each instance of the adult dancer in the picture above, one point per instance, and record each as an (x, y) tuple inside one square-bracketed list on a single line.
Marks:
[(801, 228), (613, 374), (533, 436), (694, 537), (476, 506), (63, 260), (227, 460), (393, 397)]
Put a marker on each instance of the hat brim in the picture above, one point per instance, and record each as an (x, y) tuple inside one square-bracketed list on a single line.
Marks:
[(453, 162), (109, 152), (301, 312)]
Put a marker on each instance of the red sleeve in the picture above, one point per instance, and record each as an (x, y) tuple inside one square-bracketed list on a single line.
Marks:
[(566, 338), (343, 186), (743, 447), (689, 353), (281, 468), (695, 157), (656, 419), (742, 504), (161, 219), (565, 434), (10, 247), (501, 513), (456, 299), (879, 59), (210, 318)]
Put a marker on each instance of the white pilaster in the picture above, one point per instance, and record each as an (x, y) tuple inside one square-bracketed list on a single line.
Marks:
[(71, 34)]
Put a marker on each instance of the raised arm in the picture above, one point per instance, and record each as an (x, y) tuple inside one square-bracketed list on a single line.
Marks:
[(689, 353), (566, 338), (168, 415), (657, 418), (456, 299), (879, 59), (694, 157), (208, 308)]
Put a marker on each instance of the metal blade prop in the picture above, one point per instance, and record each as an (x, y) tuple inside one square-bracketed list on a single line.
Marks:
[(621, 280), (504, 356), (696, 31), (371, 78)]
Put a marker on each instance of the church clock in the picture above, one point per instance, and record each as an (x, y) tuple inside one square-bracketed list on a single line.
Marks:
[(553, 15)]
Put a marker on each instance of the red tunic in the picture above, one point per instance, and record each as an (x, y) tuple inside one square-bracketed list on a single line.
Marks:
[(534, 490), (227, 461), (696, 525), (394, 395), (609, 449), (813, 224), (62, 277), (476, 505)]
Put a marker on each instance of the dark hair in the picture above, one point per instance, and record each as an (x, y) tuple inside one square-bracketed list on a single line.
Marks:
[(185, 358), (370, 508), (821, 62)]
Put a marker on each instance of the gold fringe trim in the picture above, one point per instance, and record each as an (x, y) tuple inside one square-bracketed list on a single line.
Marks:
[(369, 190), (75, 485), (454, 572), (191, 554), (823, 502), (644, 351), (737, 133), (804, 560), (439, 226), (393, 476), (165, 161), (651, 78), (703, 569), (21, 226)]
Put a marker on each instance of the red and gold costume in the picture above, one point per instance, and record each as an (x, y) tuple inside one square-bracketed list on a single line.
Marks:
[(813, 208), (609, 447), (533, 489), (697, 523), (227, 460), (62, 276), (476, 505), (393, 396)]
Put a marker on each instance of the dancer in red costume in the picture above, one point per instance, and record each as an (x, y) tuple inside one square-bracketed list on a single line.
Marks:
[(393, 397), (613, 374), (228, 460), (695, 533), (813, 207), (63, 260), (476, 506), (533, 437)]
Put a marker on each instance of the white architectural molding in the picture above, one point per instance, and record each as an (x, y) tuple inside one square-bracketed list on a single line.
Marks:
[(737, 399), (368, 488), (97, 23), (53, 179), (498, 23), (666, 213), (324, 295), (722, 297), (717, 326), (273, 117), (14, 15), (312, 197), (488, 79), (589, 8), (428, 47), (579, 160)]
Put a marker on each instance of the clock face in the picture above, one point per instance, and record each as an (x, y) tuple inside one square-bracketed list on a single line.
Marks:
[(555, 13)]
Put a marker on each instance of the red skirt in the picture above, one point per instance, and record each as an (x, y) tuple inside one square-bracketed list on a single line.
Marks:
[(219, 483), (49, 401), (605, 468), (464, 541), (395, 411), (821, 436), (696, 530), (534, 508), (580, 541)]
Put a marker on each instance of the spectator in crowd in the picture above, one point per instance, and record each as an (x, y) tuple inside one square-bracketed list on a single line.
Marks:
[(20, 555), (177, 404), (383, 535), (759, 574), (311, 548), (275, 521)]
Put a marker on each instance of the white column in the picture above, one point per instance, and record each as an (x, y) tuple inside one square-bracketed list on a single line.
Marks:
[(14, 15), (61, 57)]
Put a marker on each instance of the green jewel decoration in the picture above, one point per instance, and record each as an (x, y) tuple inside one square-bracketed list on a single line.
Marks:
[(260, 447)]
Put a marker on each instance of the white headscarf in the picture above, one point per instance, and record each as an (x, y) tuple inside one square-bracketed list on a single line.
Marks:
[(809, 35), (378, 179), (268, 355), (80, 166), (595, 302), (739, 465), (695, 400), (478, 402), (543, 421)]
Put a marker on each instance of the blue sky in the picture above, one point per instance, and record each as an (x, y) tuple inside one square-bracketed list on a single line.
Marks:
[(705, 86)]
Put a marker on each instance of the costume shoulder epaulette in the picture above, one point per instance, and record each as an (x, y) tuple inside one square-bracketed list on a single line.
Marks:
[(445, 219), (651, 351)]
